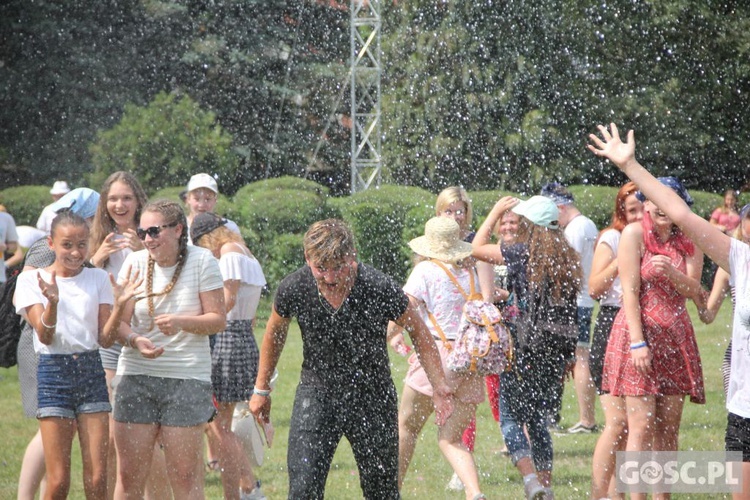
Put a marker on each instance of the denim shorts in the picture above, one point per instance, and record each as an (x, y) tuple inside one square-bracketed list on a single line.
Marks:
[(584, 326), (70, 384), (174, 402)]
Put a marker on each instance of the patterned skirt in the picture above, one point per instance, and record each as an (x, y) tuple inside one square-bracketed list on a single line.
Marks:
[(234, 362)]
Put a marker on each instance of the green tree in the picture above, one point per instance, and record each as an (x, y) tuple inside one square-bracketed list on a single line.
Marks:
[(169, 140)]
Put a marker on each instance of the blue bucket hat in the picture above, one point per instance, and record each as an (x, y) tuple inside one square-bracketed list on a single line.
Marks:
[(80, 201), (540, 210), (677, 187)]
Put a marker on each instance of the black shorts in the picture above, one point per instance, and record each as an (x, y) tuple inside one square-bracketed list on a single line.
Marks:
[(737, 437), (602, 327)]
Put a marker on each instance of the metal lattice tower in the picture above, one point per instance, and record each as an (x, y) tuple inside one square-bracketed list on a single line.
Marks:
[(365, 94)]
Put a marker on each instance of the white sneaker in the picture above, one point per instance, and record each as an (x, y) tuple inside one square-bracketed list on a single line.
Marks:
[(255, 494), (455, 484)]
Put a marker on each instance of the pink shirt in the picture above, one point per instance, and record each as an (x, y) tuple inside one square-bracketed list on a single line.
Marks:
[(730, 221)]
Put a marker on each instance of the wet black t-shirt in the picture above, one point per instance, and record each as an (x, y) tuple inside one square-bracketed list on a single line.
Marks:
[(344, 350)]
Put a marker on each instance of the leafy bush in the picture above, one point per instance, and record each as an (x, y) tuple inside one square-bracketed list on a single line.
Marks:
[(284, 183), (269, 213), (282, 255), (378, 218), (25, 203), (171, 138)]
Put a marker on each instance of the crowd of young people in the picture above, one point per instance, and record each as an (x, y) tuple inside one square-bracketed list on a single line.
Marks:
[(123, 308)]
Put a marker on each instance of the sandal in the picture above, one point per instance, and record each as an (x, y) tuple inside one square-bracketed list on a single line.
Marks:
[(213, 466)]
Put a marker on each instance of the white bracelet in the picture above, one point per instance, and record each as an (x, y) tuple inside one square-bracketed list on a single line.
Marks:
[(45, 325), (261, 392)]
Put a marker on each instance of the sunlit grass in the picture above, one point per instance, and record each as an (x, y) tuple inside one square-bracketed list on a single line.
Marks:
[(702, 429)]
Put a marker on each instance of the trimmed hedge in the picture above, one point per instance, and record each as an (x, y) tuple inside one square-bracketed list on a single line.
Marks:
[(25, 203), (273, 215)]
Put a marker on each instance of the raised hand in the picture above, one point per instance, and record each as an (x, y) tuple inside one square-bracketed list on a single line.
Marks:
[(611, 146), (132, 240), (128, 289), (112, 243), (49, 290)]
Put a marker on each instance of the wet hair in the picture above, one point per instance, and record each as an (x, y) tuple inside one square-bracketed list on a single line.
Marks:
[(451, 195), (551, 260), (329, 240), (173, 214), (67, 218), (103, 221), (218, 238)]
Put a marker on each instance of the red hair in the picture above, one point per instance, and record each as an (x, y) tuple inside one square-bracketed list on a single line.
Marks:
[(619, 217)]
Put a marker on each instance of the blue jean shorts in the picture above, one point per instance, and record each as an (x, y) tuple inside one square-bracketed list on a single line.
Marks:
[(71, 384), (584, 327)]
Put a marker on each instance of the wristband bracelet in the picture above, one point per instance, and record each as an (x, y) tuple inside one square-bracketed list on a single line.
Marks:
[(130, 339), (45, 325), (638, 345), (261, 392)]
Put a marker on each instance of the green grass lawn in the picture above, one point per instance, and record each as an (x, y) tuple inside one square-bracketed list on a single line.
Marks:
[(702, 429)]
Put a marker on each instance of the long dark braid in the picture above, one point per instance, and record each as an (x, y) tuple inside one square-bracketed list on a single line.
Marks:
[(172, 214)]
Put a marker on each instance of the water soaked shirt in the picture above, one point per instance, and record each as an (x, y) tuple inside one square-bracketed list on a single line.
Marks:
[(345, 350)]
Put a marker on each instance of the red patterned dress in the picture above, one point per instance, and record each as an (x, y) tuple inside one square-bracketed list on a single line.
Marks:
[(676, 364)]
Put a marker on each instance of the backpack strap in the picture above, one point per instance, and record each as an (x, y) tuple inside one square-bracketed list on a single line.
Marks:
[(441, 333), (473, 294)]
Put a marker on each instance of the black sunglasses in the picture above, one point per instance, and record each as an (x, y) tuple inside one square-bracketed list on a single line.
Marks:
[(152, 231)]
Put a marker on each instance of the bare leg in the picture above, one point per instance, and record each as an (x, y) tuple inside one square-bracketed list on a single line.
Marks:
[(415, 408), (57, 435), (585, 390), (613, 439), (135, 445), (745, 494), (157, 484), (183, 450), (93, 435), (455, 451), (109, 375), (32, 469), (641, 421), (666, 435), (230, 452)]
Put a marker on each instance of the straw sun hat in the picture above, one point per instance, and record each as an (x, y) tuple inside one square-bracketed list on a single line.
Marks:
[(441, 241)]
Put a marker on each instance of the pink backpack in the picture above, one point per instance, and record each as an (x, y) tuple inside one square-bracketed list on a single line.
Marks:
[(483, 344)]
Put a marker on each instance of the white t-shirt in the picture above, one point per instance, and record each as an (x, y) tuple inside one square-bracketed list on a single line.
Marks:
[(738, 394), (613, 296), (431, 285), (7, 235), (44, 223), (581, 233), (186, 355), (77, 311), (246, 269), (28, 235)]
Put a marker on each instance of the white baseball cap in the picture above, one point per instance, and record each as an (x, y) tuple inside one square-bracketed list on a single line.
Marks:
[(59, 187), (203, 181)]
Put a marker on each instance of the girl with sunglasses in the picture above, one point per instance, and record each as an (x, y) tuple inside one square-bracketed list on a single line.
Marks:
[(165, 366)]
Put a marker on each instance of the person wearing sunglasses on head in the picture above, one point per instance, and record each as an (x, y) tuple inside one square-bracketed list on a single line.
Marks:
[(165, 366)]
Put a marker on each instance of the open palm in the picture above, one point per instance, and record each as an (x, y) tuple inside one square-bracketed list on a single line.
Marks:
[(612, 147)]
